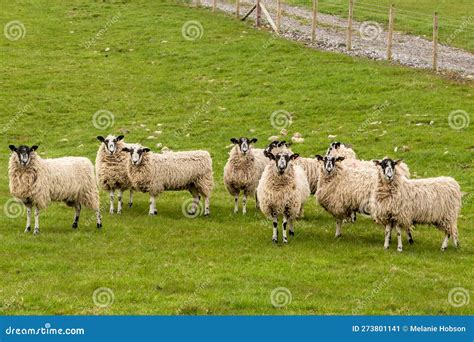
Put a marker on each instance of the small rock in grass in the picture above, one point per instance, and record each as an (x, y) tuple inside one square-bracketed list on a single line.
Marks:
[(151, 137), (159, 145), (158, 132), (142, 125), (297, 140), (284, 132), (252, 130), (107, 49), (331, 136), (273, 137), (395, 149), (405, 148), (64, 140)]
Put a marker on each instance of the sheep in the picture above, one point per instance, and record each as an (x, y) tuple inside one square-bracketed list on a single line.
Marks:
[(401, 202), (243, 170), (282, 190), (338, 149), (37, 182), (342, 189), (157, 172), (110, 165)]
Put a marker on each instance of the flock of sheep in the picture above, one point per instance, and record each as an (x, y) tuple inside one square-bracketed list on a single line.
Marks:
[(280, 180)]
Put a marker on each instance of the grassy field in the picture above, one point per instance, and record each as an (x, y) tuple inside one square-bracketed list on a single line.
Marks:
[(200, 94), (456, 18)]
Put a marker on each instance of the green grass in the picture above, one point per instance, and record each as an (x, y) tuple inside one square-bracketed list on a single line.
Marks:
[(456, 18), (226, 263)]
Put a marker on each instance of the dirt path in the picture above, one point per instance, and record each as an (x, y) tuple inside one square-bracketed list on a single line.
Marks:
[(368, 40)]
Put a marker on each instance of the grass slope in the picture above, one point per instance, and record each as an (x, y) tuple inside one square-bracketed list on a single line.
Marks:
[(223, 85), (456, 24)]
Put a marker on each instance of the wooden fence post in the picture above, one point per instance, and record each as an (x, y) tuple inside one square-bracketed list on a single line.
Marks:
[(278, 18), (435, 42), (237, 8), (391, 18), (349, 25), (258, 14), (314, 23), (214, 5)]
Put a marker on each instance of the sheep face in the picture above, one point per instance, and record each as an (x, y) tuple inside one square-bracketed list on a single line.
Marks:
[(244, 144), (136, 154), (329, 163), (24, 153), (282, 160), (110, 142), (387, 167)]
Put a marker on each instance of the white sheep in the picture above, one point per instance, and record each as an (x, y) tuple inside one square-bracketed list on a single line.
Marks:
[(243, 171), (111, 169), (155, 172), (282, 191), (401, 202), (37, 182)]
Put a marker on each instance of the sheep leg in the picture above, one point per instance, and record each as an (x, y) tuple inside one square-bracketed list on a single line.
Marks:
[(292, 228), (399, 238), (111, 197), (130, 201), (28, 218), (285, 222), (410, 238), (338, 228), (207, 210), (37, 229), (152, 206), (257, 203), (275, 228), (353, 216), (76, 216), (99, 218), (236, 203), (119, 201), (244, 203), (454, 233), (444, 245), (388, 234)]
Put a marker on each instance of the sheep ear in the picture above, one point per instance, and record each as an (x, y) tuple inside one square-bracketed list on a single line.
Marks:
[(146, 149), (253, 140), (126, 149), (100, 138), (13, 148), (269, 155), (34, 148), (281, 143), (376, 162), (120, 137), (338, 159), (294, 156), (398, 161), (319, 157), (234, 141)]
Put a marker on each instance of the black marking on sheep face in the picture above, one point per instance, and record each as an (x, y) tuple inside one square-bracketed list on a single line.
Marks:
[(329, 162), (282, 161), (388, 167), (244, 143), (24, 153), (136, 154), (110, 143)]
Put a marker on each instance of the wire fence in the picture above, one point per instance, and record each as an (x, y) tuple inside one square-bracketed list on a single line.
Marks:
[(357, 25)]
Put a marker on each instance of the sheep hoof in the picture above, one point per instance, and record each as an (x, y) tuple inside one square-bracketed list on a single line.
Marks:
[(99, 225), (337, 236), (285, 240), (400, 249), (410, 241), (153, 213), (111, 211), (275, 240), (206, 213), (119, 212), (292, 233), (386, 248), (27, 229), (36, 231), (130, 204), (74, 225), (443, 249)]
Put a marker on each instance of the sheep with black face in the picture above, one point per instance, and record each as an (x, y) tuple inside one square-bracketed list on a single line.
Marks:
[(399, 202), (37, 182), (243, 171), (111, 169), (282, 191), (154, 173)]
